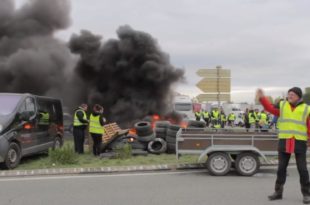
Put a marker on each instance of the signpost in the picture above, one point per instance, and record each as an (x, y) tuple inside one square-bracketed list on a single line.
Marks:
[(216, 84)]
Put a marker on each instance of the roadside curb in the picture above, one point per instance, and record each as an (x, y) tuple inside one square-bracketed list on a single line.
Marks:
[(111, 170), (99, 170)]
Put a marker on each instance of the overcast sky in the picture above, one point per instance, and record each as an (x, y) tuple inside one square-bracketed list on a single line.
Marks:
[(265, 43)]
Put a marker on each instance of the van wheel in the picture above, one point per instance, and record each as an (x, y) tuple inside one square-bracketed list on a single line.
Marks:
[(247, 164), (57, 143), (219, 163), (13, 156)]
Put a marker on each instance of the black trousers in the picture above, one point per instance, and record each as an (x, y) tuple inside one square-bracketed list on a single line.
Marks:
[(97, 139), (79, 137), (207, 120), (301, 166)]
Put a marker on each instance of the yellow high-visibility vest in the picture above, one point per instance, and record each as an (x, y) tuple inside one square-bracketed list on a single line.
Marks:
[(251, 118), (263, 118), (198, 114), (44, 119), (293, 123), (205, 115), (232, 117), (223, 117), (215, 115), (76, 121), (94, 125)]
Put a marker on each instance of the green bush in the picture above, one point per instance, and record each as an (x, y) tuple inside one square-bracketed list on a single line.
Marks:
[(123, 151), (64, 155)]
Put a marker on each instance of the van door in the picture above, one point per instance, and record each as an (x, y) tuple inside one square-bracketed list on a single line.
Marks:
[(45, 115), (27, 132)]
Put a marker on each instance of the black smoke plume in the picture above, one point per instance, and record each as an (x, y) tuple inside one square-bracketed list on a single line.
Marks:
[(31, 59), (130, 76)]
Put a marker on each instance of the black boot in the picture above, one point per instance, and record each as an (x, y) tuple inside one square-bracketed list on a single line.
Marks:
[(278, 193), (306, 199), (306, 194)]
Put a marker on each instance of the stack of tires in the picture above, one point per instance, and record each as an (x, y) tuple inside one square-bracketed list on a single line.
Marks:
[(161, 128), (145, 133), (171, 137), (196, 124), (159, 144)]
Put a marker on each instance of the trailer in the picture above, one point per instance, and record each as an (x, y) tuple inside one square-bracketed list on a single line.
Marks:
[(222, 149)]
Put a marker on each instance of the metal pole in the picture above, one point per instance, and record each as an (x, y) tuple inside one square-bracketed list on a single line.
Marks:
[(218, 85)]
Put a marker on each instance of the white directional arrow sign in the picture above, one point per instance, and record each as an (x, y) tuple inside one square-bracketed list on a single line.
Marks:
[(214, 85)]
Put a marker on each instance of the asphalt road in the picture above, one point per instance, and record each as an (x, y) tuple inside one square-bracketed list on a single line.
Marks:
[(194, 187)]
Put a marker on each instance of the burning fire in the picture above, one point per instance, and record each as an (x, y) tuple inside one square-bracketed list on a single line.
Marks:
[(156, 118), (132, 131)]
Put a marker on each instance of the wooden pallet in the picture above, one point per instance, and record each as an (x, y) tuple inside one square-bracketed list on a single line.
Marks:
[(112, 131)]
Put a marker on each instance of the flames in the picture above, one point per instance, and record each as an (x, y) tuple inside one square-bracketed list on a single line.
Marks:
[(156, 118)]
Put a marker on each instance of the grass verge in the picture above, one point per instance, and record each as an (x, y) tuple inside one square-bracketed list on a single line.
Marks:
[(43, 161)]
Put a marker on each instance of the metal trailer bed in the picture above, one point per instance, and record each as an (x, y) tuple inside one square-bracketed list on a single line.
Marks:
[(221, 148)]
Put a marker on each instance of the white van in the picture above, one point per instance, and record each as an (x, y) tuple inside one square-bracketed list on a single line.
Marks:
[(184, 106)]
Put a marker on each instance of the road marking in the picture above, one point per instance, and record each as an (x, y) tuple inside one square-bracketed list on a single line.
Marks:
[(100, 176)]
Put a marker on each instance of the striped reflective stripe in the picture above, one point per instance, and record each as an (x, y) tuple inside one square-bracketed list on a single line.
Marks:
[(94, 124), (291, 121), (298, 122), (292, 132)]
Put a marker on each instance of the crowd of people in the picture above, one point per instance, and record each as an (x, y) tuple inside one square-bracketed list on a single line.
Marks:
[(251, 119)]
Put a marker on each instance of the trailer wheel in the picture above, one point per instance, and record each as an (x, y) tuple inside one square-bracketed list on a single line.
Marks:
[(247, 164), (219, 163)]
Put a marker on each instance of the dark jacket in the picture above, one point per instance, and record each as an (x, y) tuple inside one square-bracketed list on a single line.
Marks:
[(80, 116)]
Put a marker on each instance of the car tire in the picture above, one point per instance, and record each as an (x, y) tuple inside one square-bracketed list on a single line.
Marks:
[(197, 124), (13, 156), (174, 127), (161, 136), (147, 138), (170, 139), (172, 133), (162, 124), (157, 146), (171, 148), (143, 128), (160, 130)]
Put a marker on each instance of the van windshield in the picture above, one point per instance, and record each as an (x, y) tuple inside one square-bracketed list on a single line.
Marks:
[(8, 103), (183, 107)]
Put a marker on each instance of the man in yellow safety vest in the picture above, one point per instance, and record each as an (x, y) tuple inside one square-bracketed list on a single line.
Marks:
[(294, 130), (96, 130), (80, 123)]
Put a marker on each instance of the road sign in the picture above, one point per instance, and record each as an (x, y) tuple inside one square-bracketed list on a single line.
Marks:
[(214, 85), (214, 97), (214, 73)]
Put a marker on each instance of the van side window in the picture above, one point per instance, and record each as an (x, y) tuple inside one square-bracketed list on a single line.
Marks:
[(28, 106), (46, 111)]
